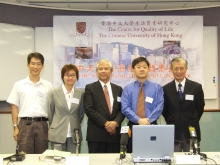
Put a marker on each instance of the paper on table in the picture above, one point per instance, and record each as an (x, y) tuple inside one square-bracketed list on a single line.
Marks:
[(48, 158), (77, 160)]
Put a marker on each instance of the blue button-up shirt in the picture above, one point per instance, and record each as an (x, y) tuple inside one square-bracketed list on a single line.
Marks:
[(154, 100)]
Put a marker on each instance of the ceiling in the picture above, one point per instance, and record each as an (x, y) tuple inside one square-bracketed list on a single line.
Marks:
[(116, 5)]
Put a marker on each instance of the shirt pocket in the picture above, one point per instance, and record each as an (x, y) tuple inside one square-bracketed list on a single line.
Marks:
[(41, 97)]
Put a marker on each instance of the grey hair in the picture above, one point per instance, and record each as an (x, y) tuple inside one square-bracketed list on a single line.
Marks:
[(178, 59), (102, 61)]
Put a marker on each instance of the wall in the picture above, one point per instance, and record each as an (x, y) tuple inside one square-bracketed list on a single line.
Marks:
[(15, 43), (37, 17), (7, 143), (210, 62)]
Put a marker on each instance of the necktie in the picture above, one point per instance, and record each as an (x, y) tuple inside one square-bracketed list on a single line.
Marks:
[(180, 91), (107, 98), (141, 102)]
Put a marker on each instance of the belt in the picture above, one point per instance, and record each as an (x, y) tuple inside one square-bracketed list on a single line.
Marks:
[(35, 118)]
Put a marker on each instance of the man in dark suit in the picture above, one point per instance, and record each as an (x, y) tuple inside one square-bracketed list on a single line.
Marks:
[(183, 105), (102, 102)]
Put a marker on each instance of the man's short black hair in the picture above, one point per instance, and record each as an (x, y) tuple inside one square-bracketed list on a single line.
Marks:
[(37, 56), (140, 59)]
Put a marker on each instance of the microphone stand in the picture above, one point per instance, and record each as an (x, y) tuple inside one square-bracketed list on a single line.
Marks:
[(196, 149), (122, 154), (18, 157), (77, 141), (77, 149), (195, 146)]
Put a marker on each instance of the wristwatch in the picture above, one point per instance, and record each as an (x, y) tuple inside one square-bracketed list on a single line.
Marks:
[(15, 125)]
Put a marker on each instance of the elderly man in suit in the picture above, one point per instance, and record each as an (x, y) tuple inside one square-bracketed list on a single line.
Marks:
[(102, 102), (183, 104)]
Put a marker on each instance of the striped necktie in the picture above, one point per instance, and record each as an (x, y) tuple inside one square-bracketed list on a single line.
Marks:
[(107, 98)]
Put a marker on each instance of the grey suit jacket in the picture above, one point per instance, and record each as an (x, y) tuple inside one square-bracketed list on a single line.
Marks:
[(60, 115)]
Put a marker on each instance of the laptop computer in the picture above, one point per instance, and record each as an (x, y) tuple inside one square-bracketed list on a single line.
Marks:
[(152, 143)]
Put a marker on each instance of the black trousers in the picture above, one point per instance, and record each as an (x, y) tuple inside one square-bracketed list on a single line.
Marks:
[(129, 145), (103, 147)]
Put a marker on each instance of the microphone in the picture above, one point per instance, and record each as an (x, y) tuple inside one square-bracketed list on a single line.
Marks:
[(76, 131), (192, 132), (195, 143), (125, 133), (18, 157)]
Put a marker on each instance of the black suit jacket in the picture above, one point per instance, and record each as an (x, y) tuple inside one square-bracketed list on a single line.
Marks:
[(96, 109), (183, 113)]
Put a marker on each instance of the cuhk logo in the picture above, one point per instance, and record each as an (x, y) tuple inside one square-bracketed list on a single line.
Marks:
[(80, 27)]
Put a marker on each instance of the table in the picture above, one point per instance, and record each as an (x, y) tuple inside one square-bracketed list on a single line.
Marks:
[(107, 159)]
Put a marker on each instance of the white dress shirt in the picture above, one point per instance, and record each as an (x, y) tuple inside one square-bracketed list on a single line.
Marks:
[(68, 97), (182, 83), (30, 98)]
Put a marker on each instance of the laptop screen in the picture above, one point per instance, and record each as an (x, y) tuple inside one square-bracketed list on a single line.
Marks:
[(152, 143)]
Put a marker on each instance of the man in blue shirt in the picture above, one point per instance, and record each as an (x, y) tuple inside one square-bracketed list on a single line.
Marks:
[(152, 100)]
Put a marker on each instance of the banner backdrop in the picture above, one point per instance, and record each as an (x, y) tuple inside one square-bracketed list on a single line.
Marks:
[(83, 40)]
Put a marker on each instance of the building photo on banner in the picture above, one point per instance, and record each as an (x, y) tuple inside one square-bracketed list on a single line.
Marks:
[(124, 38)]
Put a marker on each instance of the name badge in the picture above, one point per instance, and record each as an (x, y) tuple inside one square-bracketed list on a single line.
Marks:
[(124, 129), (189, 97), (40, 94), (149, 99), (118, 99), (75, 100)]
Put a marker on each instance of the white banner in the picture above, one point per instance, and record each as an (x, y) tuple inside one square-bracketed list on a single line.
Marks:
[(83, 40)]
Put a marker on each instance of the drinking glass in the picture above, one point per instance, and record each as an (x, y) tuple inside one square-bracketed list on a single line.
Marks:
[(1, 161), (57, 151)]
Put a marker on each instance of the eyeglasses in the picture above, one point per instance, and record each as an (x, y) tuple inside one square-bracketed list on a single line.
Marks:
[(36, 64), (104, 68), (70, 75), (178, 69), (139, 67)]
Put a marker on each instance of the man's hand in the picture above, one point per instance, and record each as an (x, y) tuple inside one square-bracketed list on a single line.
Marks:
[(110, 126), (14, 114), (16, 133), (144, 121)]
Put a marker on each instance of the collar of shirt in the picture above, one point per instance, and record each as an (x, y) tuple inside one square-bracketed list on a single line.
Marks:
[(66, 92), (182, 83), (107, 84), (27, 80), (138, 82)]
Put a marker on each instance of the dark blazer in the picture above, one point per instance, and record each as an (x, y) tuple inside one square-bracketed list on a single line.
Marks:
[(183, 113), (60, 115), (96, 109)]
